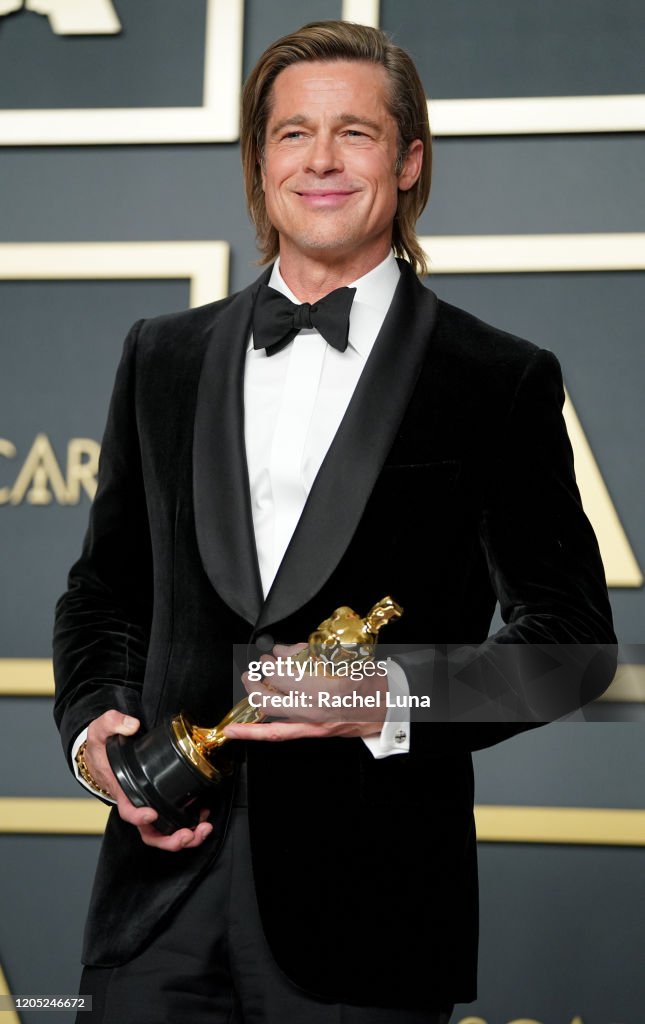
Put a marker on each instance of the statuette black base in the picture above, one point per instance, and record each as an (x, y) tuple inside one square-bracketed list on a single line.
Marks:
[(153, 771)]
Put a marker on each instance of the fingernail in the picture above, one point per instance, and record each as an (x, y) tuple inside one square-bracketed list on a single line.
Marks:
[(129, 723), (148, 819), (186, 841)]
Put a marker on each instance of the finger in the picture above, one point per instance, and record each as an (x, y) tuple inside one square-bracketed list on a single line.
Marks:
[(257, 686), (274, 684), (284, 650), (275, 674), (267, 662), (112, 722), (276, 732), (328, 730), (138, 816), (182, 839), (203, 830), (265, 685), (143, 818)]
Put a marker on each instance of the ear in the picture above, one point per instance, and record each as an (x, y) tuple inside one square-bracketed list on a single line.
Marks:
[(412, 164)]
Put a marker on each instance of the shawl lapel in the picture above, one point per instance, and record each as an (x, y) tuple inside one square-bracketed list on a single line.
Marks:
[(221, 494), (333, 510)]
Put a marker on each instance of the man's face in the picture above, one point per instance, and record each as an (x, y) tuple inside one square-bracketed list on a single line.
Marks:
[(328, 171)]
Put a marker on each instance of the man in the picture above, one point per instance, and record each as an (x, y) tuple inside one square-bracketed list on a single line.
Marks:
[(253, 481)]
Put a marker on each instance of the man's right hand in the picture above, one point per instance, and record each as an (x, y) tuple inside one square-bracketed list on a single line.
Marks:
[(142, 818)]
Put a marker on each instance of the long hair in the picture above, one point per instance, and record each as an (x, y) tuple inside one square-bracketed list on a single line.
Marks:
[(331, 41)]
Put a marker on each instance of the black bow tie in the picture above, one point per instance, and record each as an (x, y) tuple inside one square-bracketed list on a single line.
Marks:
[(277, 320)]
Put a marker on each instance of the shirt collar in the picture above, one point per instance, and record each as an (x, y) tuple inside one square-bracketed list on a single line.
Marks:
[(374, 294)]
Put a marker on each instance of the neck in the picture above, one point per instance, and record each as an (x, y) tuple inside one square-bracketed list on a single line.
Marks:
[(310, 279)]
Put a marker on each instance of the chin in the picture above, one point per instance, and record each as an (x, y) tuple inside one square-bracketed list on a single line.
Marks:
[(326, 242)]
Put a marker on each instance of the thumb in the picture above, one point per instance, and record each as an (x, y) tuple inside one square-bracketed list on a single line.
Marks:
[(127, 725)]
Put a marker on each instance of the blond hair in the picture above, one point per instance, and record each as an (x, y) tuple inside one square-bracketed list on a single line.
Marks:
[(331, 41)]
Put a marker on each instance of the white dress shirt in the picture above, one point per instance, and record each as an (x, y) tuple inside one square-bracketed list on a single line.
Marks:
[(294, 401)]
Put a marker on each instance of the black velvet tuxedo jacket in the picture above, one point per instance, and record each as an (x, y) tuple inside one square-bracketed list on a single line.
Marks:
[(449, 485)]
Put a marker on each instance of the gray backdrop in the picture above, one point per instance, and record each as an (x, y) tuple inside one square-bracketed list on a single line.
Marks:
[(562, 931)]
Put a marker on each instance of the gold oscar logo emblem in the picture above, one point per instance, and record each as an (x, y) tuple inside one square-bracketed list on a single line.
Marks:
[(41, 480), (69, 17)]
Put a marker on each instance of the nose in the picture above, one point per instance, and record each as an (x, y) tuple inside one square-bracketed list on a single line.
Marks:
[(323, 154)]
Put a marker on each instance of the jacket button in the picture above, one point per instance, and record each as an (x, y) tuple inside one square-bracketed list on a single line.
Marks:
[(264, 643)]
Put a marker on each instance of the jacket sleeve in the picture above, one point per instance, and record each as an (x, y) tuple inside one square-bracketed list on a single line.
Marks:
[(102, 621), (556, 650)]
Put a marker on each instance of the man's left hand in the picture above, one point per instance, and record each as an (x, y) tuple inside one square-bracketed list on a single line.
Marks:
[(313, 717)]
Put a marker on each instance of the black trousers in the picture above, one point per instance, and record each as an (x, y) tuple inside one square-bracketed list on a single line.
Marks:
[(212, 964)]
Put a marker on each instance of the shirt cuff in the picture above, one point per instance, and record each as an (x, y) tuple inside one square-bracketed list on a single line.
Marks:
[(77, 744), (395, 734)]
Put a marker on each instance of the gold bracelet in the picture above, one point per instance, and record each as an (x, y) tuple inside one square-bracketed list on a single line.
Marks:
[(86, 774)]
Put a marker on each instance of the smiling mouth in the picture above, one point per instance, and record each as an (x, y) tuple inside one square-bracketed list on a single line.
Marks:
[(330, 196)]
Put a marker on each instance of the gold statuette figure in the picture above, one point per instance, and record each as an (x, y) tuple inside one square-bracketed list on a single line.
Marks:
[(343, 638)]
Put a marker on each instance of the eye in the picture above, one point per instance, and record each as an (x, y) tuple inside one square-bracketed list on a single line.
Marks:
[(357, 135)]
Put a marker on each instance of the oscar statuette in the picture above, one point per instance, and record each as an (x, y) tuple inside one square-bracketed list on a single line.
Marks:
[(175, 767)]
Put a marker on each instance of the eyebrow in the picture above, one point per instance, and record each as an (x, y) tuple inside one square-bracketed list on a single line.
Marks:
[(302, 119)]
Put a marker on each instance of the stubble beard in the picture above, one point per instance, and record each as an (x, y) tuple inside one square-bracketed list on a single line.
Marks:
[(342, 236)]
